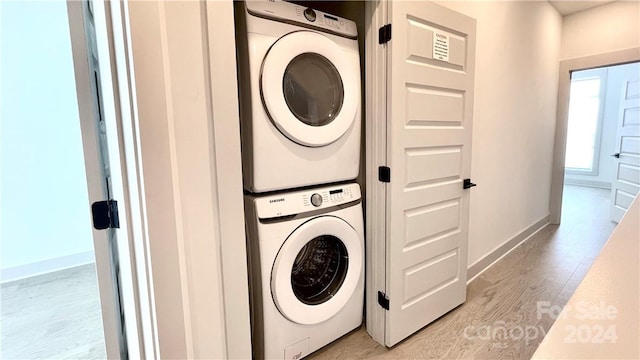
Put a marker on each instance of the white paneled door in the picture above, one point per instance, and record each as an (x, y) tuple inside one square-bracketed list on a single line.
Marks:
[(626, 178), (430, 80)]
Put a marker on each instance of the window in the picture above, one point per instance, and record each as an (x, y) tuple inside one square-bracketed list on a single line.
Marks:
[(585, 121)]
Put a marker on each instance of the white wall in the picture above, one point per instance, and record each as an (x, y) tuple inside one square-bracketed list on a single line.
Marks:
[(517, 50), (44, 220), (610, 27), (615, 78)]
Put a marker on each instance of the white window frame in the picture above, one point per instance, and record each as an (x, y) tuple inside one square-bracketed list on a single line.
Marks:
[(600, 73)]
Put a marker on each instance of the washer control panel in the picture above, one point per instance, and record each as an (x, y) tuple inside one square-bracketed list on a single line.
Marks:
[(298, 202), (288, 12)]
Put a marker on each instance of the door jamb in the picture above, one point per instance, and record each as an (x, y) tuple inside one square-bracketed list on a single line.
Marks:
[(114, 83), (562, 115), (81, 52), (375, 88), (198, 300)]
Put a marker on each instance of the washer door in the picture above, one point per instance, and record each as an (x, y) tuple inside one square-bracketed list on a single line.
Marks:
[(317, 270), (309, 88)]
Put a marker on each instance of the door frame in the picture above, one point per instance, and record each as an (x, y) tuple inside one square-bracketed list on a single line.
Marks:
[(375, 87), (562, 116), (188, 189), (116, 332), (136, 303)]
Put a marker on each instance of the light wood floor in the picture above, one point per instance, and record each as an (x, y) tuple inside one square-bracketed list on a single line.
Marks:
[(501, 307), (52, 316)]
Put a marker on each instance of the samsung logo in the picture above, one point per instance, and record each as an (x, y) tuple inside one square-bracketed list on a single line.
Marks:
[(276, 200)]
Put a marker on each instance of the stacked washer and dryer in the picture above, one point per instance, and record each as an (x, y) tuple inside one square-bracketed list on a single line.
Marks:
[(299, 77)]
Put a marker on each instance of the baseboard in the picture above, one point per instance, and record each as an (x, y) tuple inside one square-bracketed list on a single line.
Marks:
[(587, 183), (45, 266), (483, 264)]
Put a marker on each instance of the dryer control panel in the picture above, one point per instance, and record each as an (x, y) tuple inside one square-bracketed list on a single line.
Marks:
[(297, 14), (298, 202)]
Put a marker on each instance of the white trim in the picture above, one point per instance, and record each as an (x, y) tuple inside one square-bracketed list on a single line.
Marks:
[(375, 145), (229, 201), (601, 74), (83, 50), (191, 197), (137, 302), (113, 111), (45, 266), (588, 183), (273, 72)]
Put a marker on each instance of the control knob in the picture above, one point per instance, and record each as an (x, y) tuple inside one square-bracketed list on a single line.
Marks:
[(310, 14), (316, 200)]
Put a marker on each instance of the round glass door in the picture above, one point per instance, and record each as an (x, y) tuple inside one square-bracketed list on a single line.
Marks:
[(310, 88), (313, 89), (317, 270)]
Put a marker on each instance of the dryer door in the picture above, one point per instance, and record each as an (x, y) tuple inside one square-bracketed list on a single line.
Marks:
[(309, 88), (317, 270)]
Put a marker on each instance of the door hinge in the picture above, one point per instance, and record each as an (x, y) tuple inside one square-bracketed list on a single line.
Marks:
[(383, 300), (384, 34), (466, 183), (384, 174), (105, 214), (98, 99)]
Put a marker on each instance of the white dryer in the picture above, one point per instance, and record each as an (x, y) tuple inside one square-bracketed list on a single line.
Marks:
[(306, 256), (299, 78)]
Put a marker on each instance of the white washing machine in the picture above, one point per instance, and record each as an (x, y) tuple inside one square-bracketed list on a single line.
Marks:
[(299, 77), (306, 256)]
